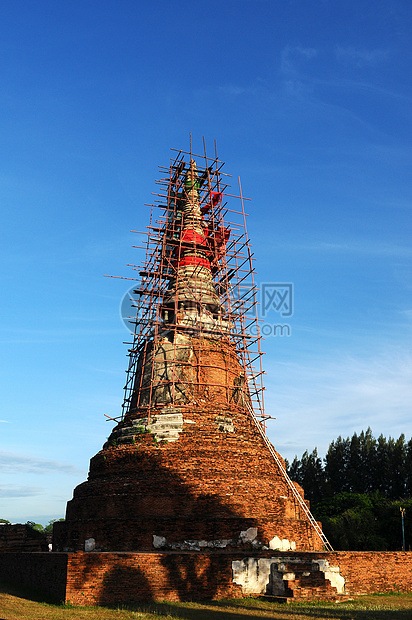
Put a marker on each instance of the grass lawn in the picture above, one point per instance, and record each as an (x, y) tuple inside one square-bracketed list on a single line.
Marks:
[(16, 605)]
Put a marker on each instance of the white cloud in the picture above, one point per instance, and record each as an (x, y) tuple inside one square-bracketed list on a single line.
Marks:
[(316, 402), (232, 90), (298, 88), (13, 490), (292, 57), (20, 463), (361, 57), (363, 246)]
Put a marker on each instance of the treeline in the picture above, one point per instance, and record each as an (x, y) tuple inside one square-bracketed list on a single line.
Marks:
[(357, 490), (357, 464), (44, 529)]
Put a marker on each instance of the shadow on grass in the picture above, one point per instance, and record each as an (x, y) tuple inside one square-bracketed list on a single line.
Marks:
[(248, 608), (358, 609), (240, 609), (29, 594)]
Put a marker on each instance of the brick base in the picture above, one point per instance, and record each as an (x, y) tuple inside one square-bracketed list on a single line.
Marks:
[(107, 578), (210, 484)]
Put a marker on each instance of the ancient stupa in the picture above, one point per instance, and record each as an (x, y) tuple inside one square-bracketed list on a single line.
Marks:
[(188, 465)]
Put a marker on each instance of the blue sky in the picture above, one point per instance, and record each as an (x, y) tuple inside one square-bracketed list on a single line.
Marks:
[(309, 102)]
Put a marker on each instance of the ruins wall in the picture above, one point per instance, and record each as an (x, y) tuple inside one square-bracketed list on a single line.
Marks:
[(43, 573), (107, 578), (21, 537), (366, 572)]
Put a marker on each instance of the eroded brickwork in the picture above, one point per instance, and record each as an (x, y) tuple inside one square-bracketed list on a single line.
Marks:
[(366, 572), (44, 573), (216, 480), (109, 578), (21, 537)]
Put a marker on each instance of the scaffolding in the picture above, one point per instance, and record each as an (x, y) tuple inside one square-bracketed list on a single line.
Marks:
[(196, 282), (196, 292)]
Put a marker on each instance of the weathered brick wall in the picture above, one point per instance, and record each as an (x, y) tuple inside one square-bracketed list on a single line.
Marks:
[(21, 537), (179, 533), (210, 484), (366, 572), (126, 577), (106, 578), (42, 572)]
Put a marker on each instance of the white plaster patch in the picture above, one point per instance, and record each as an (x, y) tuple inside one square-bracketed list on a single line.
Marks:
[(333, 574), (225, 424), (248, 535), (158, 541), (282, 544), (164, 426), (269, 575), (252, 574), (90, 544)]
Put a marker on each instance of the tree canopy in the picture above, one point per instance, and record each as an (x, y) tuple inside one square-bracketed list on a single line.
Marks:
[(48, 529), (357, 490)]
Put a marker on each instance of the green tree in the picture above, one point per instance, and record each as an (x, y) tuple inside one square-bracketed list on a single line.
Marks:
[(308, 472), (367, 454), (350, 523), (382, 465), (397, 473), (408, 469), (358, 491), (35, 526), (337, 464), (49, 527)]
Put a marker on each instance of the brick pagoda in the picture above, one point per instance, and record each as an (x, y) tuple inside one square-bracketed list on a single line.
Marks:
[(188, 465)]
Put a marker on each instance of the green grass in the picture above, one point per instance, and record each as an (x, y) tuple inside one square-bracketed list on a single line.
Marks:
[(19, 605)]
